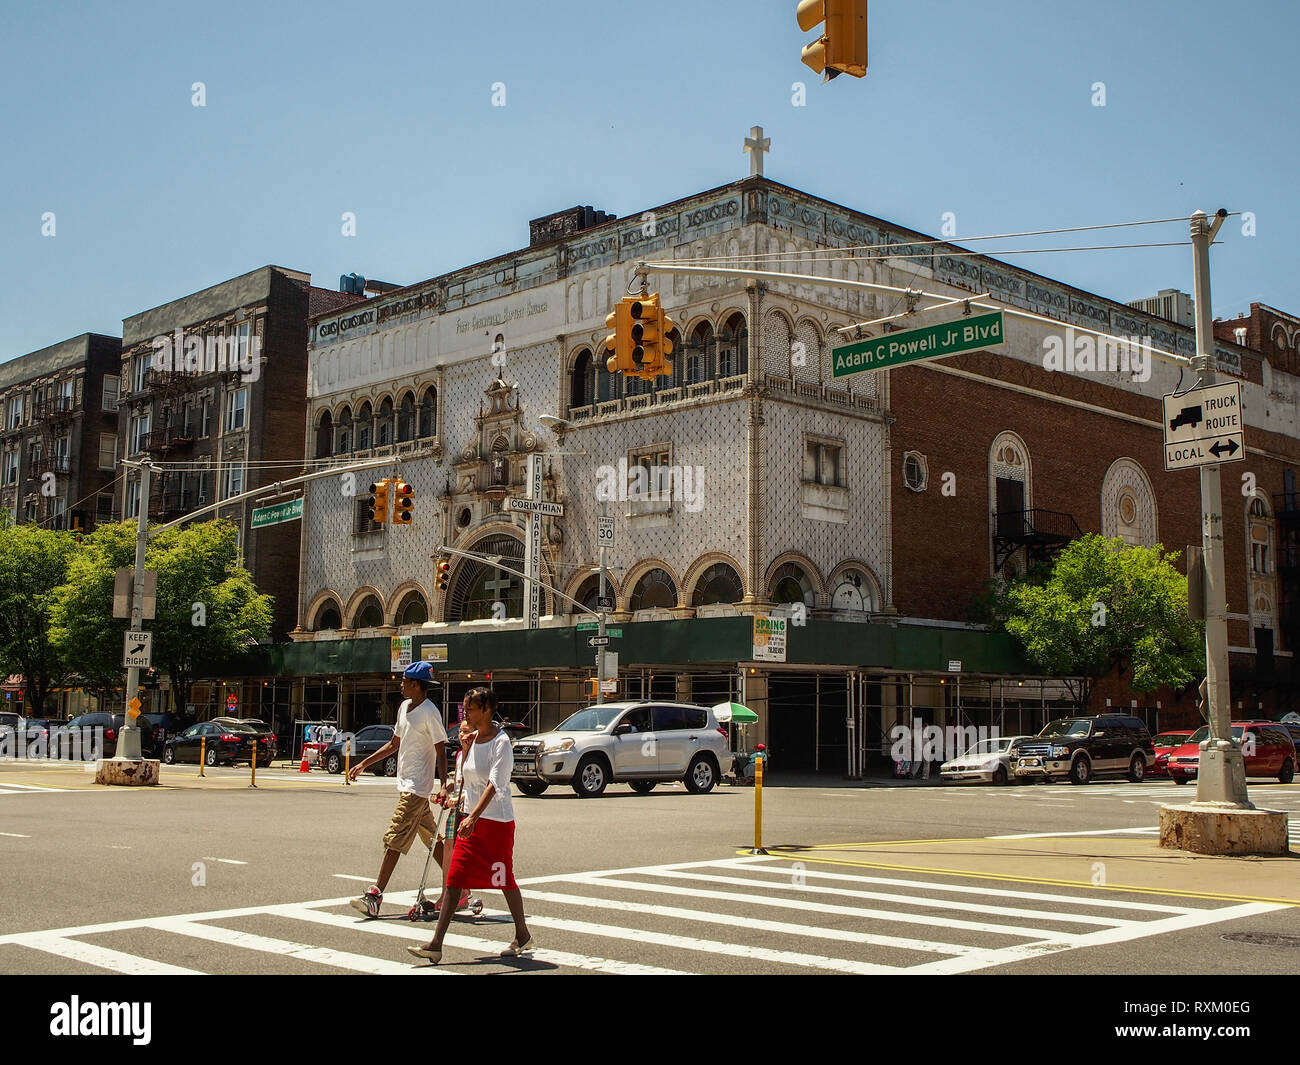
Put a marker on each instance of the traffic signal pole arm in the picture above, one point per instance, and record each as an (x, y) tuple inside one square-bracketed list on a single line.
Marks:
[(644, 267), (491, 560)]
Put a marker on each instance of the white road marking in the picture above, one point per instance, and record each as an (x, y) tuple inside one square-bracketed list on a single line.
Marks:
[(907, 900), (228, 861), (983, 890), (827, 908), (349, 876), (422, 933), (15, 835), (101, 957), (1090, 832), (340, 959)]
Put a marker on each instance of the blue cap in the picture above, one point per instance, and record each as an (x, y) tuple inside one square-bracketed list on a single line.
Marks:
[(419, 671)]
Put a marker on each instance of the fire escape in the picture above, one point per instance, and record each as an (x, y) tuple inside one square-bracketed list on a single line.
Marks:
[(54, 414), (172, 438), (1042, 533)]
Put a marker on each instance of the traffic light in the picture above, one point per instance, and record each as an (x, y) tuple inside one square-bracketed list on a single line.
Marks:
[(443, 574), (650, 329), (403, 503), (618, 344), (842, 47), (378, 502)]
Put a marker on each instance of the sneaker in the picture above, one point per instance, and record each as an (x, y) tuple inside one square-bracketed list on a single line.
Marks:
[(369, 903)]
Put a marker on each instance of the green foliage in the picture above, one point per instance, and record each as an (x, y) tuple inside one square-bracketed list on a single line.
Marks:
[(200, 579), (1108, 606), (33, 563)]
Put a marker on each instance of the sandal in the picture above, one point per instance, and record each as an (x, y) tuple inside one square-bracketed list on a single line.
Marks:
[(434, 956), (516, 948)]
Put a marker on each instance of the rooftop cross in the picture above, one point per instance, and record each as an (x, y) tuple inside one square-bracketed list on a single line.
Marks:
[(755, 145)]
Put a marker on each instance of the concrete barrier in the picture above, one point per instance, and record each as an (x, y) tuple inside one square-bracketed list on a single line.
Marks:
[(131, 772), (1210, 828)]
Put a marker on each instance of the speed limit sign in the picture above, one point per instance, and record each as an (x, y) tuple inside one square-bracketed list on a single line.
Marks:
[(604, 531)]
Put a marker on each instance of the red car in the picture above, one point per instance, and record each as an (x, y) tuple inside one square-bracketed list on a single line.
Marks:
[(1267, 748), (1165, 744)]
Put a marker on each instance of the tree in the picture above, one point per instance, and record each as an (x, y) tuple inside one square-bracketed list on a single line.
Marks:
[(207, 607), (1108, 606), (33, 564)]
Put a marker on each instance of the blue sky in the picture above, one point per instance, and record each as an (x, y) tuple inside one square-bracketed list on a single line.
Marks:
[(984, 110)]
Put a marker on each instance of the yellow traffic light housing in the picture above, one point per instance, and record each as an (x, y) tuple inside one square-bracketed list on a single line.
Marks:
[(403, 503), (442, 574), (379, 502), (653, 335), (842, 47), (618, 344)]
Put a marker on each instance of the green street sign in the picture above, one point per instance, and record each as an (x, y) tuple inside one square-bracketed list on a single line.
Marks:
[(592, 626), (893, 349), (273, 515)]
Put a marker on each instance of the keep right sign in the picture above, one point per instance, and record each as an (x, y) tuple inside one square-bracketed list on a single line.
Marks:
[(1204, 426)]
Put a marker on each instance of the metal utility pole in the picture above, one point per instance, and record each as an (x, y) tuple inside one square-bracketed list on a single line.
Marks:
[(128, 738), (1221, 774), (600, 651)]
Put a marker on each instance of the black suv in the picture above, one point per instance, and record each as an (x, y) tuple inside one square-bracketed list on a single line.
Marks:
[(1081, 748), (75, 740)]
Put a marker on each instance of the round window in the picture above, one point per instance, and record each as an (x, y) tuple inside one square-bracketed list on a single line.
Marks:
[(464, 518), (1127, 509)]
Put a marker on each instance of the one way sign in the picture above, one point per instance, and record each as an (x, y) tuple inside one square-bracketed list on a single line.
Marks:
[(137, 650), (1204, 426)]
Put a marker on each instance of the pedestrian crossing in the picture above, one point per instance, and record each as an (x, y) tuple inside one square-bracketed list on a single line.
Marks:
[(28, 789), (757, 914)]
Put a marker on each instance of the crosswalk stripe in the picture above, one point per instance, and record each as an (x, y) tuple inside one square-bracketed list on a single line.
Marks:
[(972, 962), (421, 933), (962, 889), (908, 900), (1019, 931), (102, 957), (710, 946), (732, 920), (340, 959)]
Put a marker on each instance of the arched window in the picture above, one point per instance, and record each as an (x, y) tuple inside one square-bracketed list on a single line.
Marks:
[(343, 434), (384, 424), (1010, 498), (699, 354), (791, 585), (413, 610), (429, 413), (477, 586), (327, 617), (718, 584), (500, 464), (854, 590), (325, 436), (733, 347), (655, 589), (365, 427), (582, 384), (406, 418), (589, 592), (607, 384), (1128, 506), (369, 615)]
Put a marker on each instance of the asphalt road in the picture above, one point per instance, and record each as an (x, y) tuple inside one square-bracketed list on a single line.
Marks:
[(262, 877)]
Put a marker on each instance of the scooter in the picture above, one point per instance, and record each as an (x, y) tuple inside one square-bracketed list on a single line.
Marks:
[(426, 909)]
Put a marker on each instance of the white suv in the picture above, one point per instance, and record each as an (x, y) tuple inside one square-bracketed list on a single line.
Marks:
[(640, 743)]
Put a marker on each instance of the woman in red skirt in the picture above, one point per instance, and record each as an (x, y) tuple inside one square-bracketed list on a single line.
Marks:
[(485, 842)]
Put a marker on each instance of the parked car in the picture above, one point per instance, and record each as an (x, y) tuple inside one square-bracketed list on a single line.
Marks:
[(42, 731), (216, 743), (268, 743), (81, 728), (638, 743), (1267, 748), (10, 721), (1080, 748), (1293, 729), (1165, 744), (166, 724), (989, 761), (364, 743)]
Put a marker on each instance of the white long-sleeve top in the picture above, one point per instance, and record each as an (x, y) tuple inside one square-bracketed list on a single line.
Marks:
[(492, 760)]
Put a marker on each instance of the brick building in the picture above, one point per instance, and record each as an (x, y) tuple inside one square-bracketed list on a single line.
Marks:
[(59, 435), (214, 389)]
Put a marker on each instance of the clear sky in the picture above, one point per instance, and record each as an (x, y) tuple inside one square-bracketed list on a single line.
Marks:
[(317, 108)]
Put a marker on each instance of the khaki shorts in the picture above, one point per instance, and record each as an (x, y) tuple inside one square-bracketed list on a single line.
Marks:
[(413, 816)]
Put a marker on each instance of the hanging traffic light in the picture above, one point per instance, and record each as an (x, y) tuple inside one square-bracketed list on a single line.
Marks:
[(443, 574), (842, 47), (378, 502), (651, 333), (618, 345), (403, 503)]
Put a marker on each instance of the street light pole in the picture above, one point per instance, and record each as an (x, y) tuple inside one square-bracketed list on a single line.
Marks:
[(128, 738), (600, 651), (1221, 773)]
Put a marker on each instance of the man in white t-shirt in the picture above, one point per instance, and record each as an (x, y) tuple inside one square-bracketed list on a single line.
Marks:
[(421, 745)]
